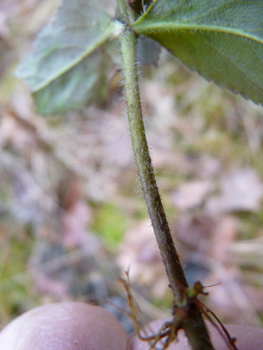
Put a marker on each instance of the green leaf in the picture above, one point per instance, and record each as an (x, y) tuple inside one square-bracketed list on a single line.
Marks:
[(220, 39), (66, 70), (83, 84), (148, 51)]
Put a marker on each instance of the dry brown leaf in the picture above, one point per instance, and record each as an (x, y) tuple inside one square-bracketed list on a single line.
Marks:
[(229, 298), (191, 194), (196, 232), (4, 30), (140, 253), (207, 234), (224, 234), (241, 190)]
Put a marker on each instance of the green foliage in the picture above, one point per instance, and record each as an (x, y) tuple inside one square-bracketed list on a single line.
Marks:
[(15, 284), (148, 51), (70, 63), (221, 40), (79, 86), (110, 223)]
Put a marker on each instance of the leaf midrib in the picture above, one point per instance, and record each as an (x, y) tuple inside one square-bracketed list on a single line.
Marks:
[(166, 27), (73, 63), (208, 29), (91, 49)]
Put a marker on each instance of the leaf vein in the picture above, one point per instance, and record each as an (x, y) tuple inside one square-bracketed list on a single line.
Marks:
[(209, 11), (151, 28), (230, 60)]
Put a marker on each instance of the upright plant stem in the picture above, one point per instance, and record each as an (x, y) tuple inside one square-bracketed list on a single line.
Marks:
[(170, 257), (194, 326)]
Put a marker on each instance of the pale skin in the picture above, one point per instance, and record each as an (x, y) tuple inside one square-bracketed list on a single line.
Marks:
[(68, 326)]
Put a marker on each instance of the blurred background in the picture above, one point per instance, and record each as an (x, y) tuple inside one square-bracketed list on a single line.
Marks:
[(72, 215)]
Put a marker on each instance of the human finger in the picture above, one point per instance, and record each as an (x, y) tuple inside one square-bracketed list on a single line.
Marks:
[(64, 326)]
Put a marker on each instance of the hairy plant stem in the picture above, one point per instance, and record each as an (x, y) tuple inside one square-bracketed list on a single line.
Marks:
[(194, 326), (170, 257)]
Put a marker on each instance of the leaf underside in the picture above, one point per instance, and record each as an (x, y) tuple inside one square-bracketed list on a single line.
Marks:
[(222, 40), (70, 62), (148, 51), (84, 83)]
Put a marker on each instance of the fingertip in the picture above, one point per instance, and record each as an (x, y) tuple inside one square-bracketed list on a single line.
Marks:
[(64, 326), (247, 337)]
